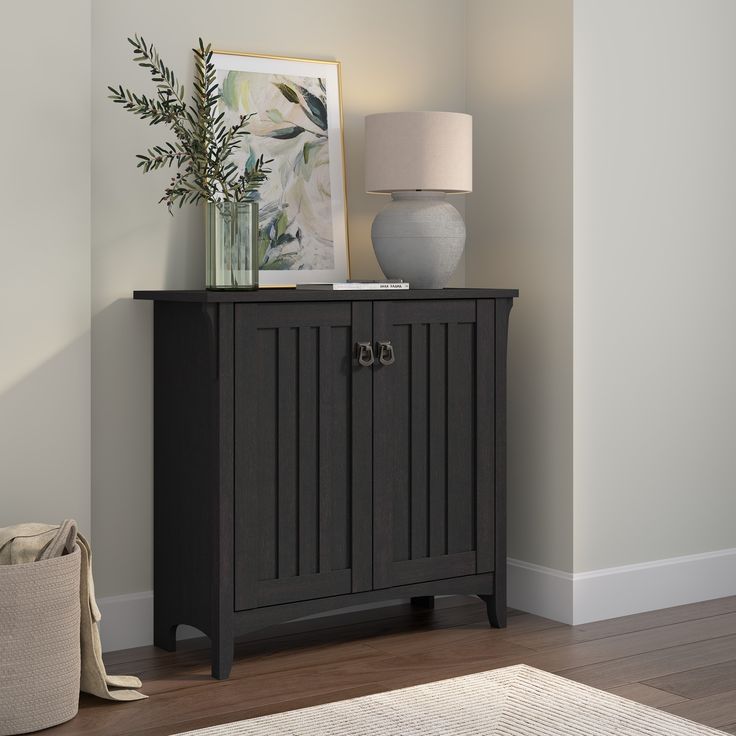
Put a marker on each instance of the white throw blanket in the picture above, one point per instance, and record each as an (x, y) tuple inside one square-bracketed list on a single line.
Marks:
[(32, 542)]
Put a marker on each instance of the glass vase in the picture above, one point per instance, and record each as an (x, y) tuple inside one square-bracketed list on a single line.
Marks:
[(231, 245)]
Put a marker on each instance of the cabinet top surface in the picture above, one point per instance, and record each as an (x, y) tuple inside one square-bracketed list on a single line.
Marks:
[(306, 295)]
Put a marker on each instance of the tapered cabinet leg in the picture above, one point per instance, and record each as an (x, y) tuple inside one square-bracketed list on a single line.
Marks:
[(223, 650), (423, 601), (164, 636), (496, 610)]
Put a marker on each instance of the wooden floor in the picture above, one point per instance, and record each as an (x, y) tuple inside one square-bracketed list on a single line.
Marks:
[(682, 660)]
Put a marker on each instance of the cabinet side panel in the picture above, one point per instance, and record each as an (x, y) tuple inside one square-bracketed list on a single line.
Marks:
[(185, 465), (221, 583), (503, 309)]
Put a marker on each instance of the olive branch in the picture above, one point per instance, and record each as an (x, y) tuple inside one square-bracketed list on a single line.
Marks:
[(203, 146)]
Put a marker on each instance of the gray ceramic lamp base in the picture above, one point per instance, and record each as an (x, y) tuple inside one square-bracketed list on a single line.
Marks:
[(419, 238)]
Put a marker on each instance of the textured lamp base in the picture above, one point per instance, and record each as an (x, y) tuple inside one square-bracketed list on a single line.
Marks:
[(419, 238)]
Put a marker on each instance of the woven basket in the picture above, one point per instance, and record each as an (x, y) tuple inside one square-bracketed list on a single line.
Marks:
[(39, 643)]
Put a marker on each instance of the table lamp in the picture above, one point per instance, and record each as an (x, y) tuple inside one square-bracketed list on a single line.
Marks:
[(417, 158)]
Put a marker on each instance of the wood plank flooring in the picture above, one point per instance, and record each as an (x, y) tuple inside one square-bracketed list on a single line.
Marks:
[(682, 660)]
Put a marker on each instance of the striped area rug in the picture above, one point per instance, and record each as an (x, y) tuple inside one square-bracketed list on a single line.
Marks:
[(513, 701)]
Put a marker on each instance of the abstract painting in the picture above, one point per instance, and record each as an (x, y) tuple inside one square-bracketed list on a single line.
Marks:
[(296, 123)]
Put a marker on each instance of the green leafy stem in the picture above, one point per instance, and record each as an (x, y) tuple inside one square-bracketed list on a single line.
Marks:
[(204, 144)]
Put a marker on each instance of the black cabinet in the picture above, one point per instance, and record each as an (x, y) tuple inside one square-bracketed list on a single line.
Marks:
[(315, 450)]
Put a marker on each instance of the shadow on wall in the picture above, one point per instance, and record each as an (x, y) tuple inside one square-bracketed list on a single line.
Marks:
[(45, 441), (185, 254), (122, 446), (157, 251)]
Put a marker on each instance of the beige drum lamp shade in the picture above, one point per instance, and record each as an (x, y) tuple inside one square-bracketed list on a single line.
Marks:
[(426, 151), (418, 158)]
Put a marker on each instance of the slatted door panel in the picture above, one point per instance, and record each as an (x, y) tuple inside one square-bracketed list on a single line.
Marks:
[(433, 496), (295, 441)]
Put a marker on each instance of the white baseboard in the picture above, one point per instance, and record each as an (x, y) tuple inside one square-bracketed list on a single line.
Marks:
[(127, 622), (579, 598), (540, 590), (649, 586)]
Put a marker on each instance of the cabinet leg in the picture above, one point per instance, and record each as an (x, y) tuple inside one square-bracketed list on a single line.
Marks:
[(423, 601), (496, 610), (164, 636), (223, 650)]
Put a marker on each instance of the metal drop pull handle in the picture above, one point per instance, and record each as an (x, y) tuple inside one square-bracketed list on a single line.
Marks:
[(364, 353), (386, 353)]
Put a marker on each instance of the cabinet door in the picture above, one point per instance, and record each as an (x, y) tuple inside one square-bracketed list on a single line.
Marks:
[(302, 452), (433, 441)]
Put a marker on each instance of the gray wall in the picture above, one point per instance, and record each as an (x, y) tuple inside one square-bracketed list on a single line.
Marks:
[(655, 260), (45, 271), (415, 61), (519, 217)]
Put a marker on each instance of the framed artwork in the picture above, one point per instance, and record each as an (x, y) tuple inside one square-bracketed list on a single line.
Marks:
[(296, 121)]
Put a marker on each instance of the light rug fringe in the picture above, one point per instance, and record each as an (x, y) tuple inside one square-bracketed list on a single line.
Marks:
[(513, 701)]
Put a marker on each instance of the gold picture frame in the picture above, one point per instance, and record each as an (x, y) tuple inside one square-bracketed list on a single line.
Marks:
[(298, 122)]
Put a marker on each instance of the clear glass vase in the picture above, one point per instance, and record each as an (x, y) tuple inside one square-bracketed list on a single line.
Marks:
[(231, 245)]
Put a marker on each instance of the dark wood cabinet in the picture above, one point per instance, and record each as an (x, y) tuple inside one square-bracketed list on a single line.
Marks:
[(315, 450)]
